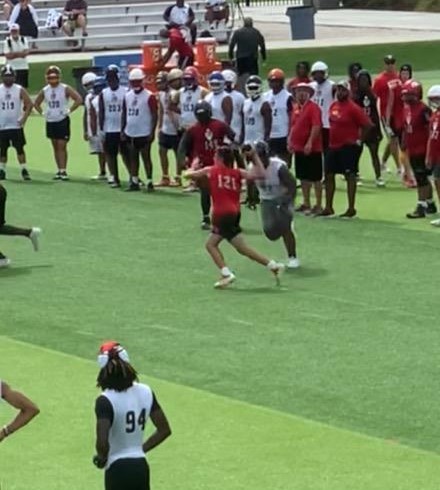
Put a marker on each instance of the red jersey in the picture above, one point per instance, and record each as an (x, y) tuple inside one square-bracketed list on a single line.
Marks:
[(433, 152), (178, 43), (382, 89), (416, 128), (295, 81), (206, 138), (346, 120), (302, 119), (225, 187), (395, 87)]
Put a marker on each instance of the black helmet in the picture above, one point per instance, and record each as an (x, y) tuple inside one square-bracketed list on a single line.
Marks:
[(203, 110), (7, 70), (112, 70), (262, 149)]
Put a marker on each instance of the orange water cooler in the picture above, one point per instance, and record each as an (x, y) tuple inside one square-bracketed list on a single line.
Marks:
[(206, 58), (151, 62)]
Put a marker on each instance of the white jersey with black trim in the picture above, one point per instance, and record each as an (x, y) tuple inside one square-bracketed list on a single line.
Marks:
[(168, 126), (56, 103), (253, 120), (138, 113), (188, 99), (324, 97), (270, 187), (131, 410), (216, 102), (237, 113), (280, 115), (113, 100), (10, 106)]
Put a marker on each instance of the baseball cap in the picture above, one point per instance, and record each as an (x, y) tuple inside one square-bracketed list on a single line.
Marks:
[(343, 83), (389, 59), (14, 27)]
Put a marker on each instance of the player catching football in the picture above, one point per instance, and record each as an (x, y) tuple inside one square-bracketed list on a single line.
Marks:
[(225, 186)]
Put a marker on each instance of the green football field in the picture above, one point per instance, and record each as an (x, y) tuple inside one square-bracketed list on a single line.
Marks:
[(329, 382)]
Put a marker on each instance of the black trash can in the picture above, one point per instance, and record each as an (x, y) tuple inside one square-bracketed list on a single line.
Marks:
[(302, 22), (78, 72)]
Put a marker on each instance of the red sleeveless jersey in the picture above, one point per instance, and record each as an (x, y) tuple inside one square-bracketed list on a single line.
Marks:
[(225, 187)]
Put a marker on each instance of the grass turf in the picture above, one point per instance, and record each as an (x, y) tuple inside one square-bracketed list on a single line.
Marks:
[(349, 339)]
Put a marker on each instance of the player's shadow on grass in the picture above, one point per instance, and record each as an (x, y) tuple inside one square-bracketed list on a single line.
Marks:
[(305, 272), (21, 270), (257, 289)]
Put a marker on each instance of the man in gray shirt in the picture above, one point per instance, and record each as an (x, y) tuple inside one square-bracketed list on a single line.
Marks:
[(248, 42)]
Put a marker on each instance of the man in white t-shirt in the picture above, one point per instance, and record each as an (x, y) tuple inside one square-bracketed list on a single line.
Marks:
[(16, 50), (181, 15)]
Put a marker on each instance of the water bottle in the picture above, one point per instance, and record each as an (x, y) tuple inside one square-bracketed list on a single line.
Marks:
[(123, 73)]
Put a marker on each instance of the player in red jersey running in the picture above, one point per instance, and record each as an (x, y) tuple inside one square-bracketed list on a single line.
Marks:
[(225, 186), (198, 146), (433, 148)]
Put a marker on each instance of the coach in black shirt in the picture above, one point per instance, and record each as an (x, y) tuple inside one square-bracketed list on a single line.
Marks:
[(247, 41)]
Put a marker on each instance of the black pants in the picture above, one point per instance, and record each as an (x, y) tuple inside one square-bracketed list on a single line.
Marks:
[(247, 66), (22, 78), (128, 474)]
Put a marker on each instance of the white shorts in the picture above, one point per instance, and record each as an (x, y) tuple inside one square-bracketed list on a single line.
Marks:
[(96, 145)]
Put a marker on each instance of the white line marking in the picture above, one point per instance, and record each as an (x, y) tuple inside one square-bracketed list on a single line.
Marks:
[(240, 322)]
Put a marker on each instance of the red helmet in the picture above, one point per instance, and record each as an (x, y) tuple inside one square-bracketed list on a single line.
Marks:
[(191, 72), (276, 74), (412, 87)]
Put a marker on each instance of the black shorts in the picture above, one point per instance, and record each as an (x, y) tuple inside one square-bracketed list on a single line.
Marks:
[(169, 141), (22, 78), (12, 137), (247, 65), (113, 144), (128, 474), (227, 225), (277, 218), (325, 135), (420, 171), (308, 167), (59, 130), (343, 160), (278, 146), (138, 143)]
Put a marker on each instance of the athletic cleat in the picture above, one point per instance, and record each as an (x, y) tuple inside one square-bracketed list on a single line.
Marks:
[(206, 225), (350, 213), (34, 237), (436, 222), (326, 213), (4, 262), (302, 209), (224, 282), (2, 175), (432, 208), (380, 182), (64, 177), (133, 187), (57, 176), (419, 212), (316, 210), (293, 263), (25, 174)]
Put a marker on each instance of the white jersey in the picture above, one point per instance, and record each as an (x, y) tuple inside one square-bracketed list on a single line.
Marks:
[(10, 106), (237, 113), (138, 113), (253, 120), (187, 103), (168, 126), (131, 410), (323, 96), (56, 103), (280, 115), (216, 101), (270, 187), (113, 100)]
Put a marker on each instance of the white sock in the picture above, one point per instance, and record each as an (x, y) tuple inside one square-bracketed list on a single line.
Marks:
[(424, 204), (135, 180), (23, 166), (272, 265), (226, 272), (2, 166)]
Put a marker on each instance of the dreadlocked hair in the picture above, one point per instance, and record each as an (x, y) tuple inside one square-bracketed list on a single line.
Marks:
[(117, 375)]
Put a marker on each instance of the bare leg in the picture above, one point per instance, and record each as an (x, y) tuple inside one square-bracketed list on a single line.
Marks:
[(374, 153), (164, 162), (62, 154), (318, 194), (351, 191), (55, 153), (148, 164), (290, 243), (330, 185), (213, 250), (101, 163), (386, 153), (394, 149), (305, 187), (81, 22)]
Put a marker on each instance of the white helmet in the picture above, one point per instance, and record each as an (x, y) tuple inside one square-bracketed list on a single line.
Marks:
[(88, 78), (434, 93), (136, 74), (230, 76), (319, 66)]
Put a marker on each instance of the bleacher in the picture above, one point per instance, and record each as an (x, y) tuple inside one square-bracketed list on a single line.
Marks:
[(112, 24)]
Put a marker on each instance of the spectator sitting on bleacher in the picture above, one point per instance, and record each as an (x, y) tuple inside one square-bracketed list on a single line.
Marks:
[(217, 12), (26, 17), (182, 16), (177, 43), (16, 50), (8, 5), (76, 13)]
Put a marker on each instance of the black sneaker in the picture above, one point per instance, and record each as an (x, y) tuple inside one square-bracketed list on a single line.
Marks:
[(432, 208), (150, 187), (25, 174), (206, 223), (2, 175), (419, 212), (350, 213), (64, 176), (133, 187), (57, 176)]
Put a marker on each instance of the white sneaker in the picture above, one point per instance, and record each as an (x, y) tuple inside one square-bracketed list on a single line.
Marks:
[(34, 237), (293, 263), (5, 262), (225, 281), (435, 222), (380, 182)]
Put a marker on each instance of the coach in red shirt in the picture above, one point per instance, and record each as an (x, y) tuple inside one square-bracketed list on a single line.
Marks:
[(305, 142), (349, 126), (177, 43)]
